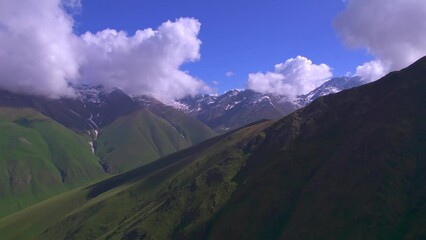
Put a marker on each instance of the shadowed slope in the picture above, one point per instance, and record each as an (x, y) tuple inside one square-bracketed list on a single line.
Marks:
[(115, 203), (348, 166)]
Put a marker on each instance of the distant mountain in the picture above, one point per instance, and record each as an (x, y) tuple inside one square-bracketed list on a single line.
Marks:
[(351, 165), (146, 135), (237, 108), (48, 146), (93, 109), (333, 85), (98, 113)]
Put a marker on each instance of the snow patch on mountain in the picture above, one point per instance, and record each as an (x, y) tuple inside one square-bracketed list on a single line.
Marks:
[(179, 106), (261, 99), (207, 107)]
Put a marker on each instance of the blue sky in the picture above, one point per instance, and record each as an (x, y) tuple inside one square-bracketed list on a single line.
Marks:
[(147, 47), (238, 36)]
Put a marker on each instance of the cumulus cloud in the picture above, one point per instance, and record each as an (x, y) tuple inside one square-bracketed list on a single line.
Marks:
[(38, 48), (394, 32), (40, 54), (372, 70), (294, 77), (147, 62)]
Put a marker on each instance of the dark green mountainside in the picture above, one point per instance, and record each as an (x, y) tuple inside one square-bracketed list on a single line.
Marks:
[(348, 166)]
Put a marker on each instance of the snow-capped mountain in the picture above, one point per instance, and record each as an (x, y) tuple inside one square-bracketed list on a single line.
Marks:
[(333, 85), (105, 105), (93, 108), (237, 108), (96, 107)]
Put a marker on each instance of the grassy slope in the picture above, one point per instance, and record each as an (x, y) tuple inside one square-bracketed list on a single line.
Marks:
[(348, 166), (110, 207), (141, 137), (192, 129), (39, 158)]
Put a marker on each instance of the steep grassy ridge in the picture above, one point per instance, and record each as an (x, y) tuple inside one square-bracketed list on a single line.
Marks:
[(348, 166), (141, 137), (39, 158), (192, 129), (110, 207)]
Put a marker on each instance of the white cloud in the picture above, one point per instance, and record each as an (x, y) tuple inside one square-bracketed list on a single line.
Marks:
[(40, 54), (372, 70), (392, 31), (215, 82), (294, 77), (229, 74), (147, 62), (38, 48)]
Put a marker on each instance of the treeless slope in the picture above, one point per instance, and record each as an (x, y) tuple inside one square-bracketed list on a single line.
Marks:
[(349, 166), (40, 158), (143, 136)]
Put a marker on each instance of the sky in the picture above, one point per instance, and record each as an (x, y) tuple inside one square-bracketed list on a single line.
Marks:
[(169, 49), (237, 36)]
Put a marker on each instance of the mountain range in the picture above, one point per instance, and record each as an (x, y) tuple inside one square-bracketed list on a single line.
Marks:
[(48, 146), (111, 132), (349, 165), (237, 108)]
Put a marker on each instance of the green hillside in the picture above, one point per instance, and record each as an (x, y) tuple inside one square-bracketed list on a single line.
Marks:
[(130, 196), (39, 158), (192, 129), (349, 166), (141, 137)]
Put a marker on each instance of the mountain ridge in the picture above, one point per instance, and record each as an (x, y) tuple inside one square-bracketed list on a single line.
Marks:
[(48, 146), (40, 158), (348, 166), (236, 108)]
